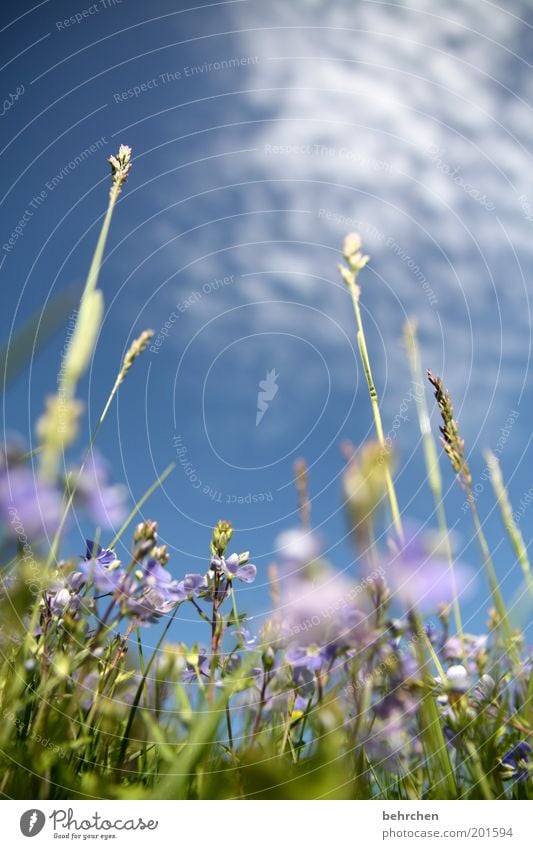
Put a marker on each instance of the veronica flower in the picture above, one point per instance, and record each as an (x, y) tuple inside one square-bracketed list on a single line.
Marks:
[(452, 649), (355, 628), (457, 684), (106, 504), (323, 612), (192, 584), (304, 681), (63, 596), (29, 508), (104, 556), (299, 708), (419, 573), (245, 637), (101, 567), (235, 566), (156, 578), (397, 662), (198, 665), (59, 601), (471, 653), (485, 689), (398, 700), (311, 656), (516, 762), (233, 661), (389, 743), (146, 606), (158, 593)]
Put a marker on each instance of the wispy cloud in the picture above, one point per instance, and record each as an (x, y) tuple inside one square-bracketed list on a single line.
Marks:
[(335, 122)]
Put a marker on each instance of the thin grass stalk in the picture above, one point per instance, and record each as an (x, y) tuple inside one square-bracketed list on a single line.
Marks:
[(431, 461), (494, 585), (140, 688), (133, 352), (356, 261), (432, 736), (506, 510), (374, 401), (453, 445), (58, 425)]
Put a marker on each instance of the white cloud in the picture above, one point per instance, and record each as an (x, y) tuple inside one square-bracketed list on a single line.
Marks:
[(376, 84)]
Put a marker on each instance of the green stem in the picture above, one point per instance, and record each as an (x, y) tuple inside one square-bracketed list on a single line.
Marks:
[(81, 346), (395, 510), (432, 735), (140, 688), (492, 578), (235, 613), (478, 770), (506, 511)]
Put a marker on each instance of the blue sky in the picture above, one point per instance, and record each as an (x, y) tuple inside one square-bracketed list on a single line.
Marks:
[(261, 134)]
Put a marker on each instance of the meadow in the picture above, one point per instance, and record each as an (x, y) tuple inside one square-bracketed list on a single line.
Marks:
[(334, 697)]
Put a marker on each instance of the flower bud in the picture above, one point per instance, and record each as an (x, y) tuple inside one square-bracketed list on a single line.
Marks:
[(268, 658)]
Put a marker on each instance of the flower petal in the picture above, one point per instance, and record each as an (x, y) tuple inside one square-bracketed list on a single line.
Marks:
[(246, 573)]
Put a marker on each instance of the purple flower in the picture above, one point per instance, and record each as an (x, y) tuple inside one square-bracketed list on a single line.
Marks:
[(192, 584), (485, 688), (193, 669), (101, 567), (146, 607), (29, 508), (311, 656), (63, 596), (233, 661), (323, 612), (419, 573), (104, 556), (398, 700), (472, 653), (106, 504), (355, 628), (304, 681), (300, 706), (453, 737), (159, 593), (516, 762), (235, 566), (244, 636), (452, 649), (398, 659), (59, 601), (388, 741), (145, 596), (159, 580)]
